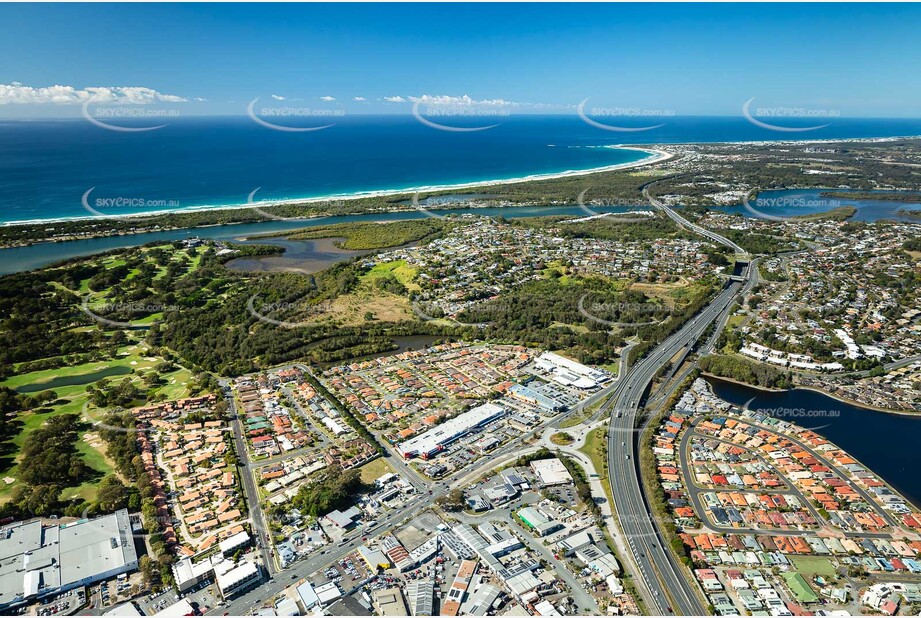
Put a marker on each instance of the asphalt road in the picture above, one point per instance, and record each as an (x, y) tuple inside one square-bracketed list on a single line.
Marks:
[(655, 562), (584, 600), (249, 484), (245, 603), (672, 592), (674, 216)]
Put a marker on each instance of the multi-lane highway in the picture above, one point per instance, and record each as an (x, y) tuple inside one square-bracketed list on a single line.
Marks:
[(672, 592), (674, 216)]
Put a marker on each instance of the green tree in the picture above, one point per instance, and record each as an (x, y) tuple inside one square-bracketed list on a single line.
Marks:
[(112, 494)]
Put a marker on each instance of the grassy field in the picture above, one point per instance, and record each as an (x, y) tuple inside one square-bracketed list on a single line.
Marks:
[(734, 321), (400, 270), (373, 470), (77, 375), (577, 328), (350, 309), (596, 447), (808, 566)]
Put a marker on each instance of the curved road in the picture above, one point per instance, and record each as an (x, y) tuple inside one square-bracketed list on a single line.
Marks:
[(672, 592)]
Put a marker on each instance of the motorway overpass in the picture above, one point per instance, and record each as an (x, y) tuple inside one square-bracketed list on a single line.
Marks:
[(672, 591)]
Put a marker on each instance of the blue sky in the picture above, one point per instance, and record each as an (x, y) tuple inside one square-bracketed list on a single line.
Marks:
[(860, 60)]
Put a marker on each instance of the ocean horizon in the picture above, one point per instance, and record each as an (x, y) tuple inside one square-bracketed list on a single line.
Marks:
[(50, 168)]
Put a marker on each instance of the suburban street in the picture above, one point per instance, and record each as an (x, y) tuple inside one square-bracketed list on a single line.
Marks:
[(658, 574), (279, 579), (249, 484), (817, 454)]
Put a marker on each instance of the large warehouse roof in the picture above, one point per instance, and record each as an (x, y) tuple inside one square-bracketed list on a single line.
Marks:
[(37, 558), (437, 437), (569, 372)]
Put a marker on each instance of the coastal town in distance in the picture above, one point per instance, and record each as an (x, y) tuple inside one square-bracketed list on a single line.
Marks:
[(283, 335)]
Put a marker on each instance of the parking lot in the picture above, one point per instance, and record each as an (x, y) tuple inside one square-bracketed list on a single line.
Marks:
[(346, 573), (63, 604), (153, 603)]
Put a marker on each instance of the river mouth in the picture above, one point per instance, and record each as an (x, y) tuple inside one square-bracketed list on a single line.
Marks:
[(872, 437)]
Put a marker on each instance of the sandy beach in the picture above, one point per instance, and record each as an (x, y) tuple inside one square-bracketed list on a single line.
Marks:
[(655, 155)]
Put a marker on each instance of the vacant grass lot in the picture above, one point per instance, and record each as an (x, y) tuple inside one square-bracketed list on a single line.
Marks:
[(596, 449), (401, 271), (374, 470)]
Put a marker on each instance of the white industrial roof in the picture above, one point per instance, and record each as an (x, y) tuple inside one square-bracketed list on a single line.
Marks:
[(61, 556), (451, 429), (551, 471), (327, 593), (125, 609), (180, 608), (308, 596)]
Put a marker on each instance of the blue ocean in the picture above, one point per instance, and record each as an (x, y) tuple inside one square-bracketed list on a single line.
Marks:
[(47, 167)]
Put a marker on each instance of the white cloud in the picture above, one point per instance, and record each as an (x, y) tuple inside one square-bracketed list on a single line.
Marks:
[(278, 97), (15, 92), (359, 99), (397, 99), (327, 98), (464, 100)]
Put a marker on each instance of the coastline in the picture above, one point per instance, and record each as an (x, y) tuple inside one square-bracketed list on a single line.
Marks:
[(656, 152), (654, 155), (802, 142)]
